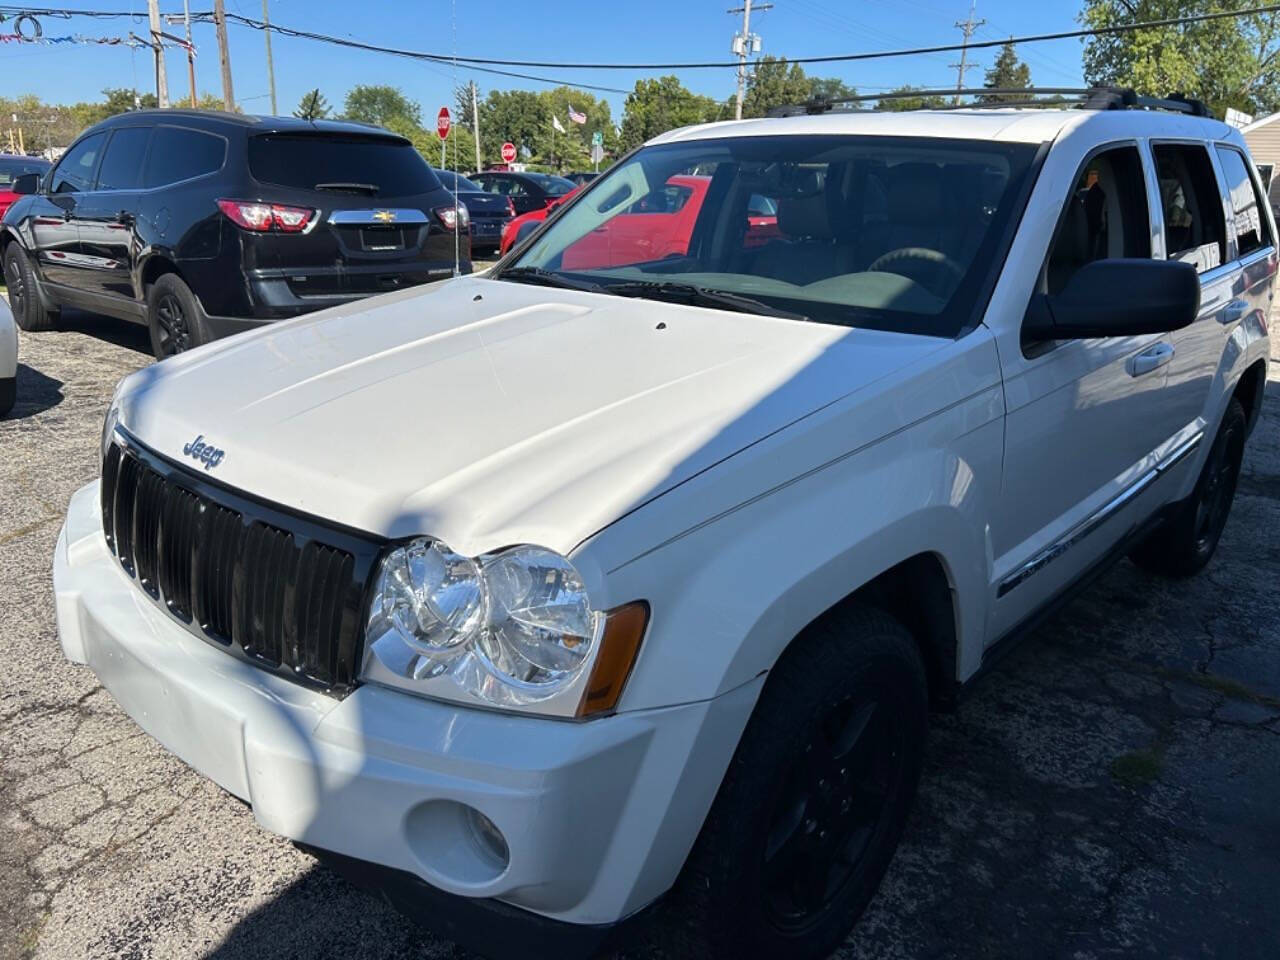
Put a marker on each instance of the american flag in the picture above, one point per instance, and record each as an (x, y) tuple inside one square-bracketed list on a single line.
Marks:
[(575, 116)]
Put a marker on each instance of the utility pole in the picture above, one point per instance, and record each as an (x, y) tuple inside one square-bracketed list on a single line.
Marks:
[(967, 27), (271, 73), (157, 50), (745, 44), (220, 21), (191, 56), (475, 123)]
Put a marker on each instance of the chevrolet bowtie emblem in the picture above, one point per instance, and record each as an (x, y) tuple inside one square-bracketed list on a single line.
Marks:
[(385, 216)]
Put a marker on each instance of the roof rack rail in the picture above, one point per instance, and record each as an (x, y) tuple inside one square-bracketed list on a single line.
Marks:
[(1087, 98)]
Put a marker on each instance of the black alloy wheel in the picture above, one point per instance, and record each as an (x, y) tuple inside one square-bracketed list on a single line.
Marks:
[(172, 326), (16, 285), (834, 801)]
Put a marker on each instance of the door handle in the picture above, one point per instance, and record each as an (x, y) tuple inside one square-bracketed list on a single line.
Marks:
[(1150, 359), (1233, 311)]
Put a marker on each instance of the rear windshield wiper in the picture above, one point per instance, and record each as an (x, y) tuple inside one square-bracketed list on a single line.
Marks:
[(549, 278), (697, 296), (342, 186)]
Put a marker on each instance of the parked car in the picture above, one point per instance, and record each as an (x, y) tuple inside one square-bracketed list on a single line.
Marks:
[(8, 359), (490, 213), (581, 177), (534, 595), (12, 167), (657, 225), (520, 227), (527, 191), (204, 224)]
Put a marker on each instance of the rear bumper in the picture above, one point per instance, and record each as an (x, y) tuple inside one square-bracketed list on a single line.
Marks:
[(597, 817)]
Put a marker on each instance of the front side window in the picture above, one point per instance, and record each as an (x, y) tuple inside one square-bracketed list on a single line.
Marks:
[(75, 170), (122, 163), (177, 154), (1105, 217), (897, 233), (1251, 229), (1194, 228)]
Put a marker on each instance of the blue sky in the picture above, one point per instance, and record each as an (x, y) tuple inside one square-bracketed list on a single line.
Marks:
[(662, 30)]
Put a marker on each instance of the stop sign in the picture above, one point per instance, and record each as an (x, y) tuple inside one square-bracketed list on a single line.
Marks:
[(508, 152), (443, 123)]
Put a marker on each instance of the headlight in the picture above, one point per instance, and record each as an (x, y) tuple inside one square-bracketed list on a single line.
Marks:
[(515, 628)]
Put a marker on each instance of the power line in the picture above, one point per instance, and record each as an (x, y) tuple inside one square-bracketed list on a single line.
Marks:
[(480, 63), (732, 64)]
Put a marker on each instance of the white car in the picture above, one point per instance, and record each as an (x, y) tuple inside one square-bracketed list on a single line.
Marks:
[(536, 595), (8, 358)]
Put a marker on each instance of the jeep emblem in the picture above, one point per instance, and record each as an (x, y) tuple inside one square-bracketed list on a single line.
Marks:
[(206, 453)]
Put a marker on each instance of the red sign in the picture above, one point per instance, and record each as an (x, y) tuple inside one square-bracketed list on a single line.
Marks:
[(508, 152), (443, 123)]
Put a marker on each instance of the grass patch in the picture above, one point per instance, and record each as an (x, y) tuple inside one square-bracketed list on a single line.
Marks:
[(1138, 768)]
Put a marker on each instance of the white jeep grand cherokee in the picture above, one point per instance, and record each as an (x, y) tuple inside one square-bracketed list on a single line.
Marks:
[(637, 563)]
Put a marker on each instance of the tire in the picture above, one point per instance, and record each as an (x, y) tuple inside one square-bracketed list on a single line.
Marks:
[(833, 748), (28, 312), (173, 317), (8, 394), (1186, 542)]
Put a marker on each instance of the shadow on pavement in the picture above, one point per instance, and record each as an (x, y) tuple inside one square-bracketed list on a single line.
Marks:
[(323, 915), (122, 333), (36, 393)]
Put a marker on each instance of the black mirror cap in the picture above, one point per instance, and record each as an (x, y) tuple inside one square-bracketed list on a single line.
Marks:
[(1117, 298), (26, 183)]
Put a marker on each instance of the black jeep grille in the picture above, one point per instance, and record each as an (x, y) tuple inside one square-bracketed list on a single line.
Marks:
[(283, 591)]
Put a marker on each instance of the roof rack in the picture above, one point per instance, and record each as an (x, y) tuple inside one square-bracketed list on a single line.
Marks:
[(1086, 98)]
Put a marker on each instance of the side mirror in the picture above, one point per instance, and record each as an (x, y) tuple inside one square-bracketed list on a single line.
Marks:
[(25, 184), (1117, 298)]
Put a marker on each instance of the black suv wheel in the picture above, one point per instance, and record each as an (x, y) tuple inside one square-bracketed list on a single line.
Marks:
[(29, 313), (173, 316), (815, 799)]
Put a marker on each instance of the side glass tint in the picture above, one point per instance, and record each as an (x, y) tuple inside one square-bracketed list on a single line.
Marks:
[(122, 163), (1194, 228), (178, 154), (1251, 228), (74, 173)]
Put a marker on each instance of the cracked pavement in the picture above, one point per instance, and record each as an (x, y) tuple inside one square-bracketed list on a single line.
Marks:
[(1109, 789)]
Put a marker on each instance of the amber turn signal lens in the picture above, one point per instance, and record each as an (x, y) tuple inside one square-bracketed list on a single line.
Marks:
[(623, 631)]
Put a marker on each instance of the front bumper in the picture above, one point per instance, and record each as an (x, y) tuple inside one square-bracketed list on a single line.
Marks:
[(597, 817)]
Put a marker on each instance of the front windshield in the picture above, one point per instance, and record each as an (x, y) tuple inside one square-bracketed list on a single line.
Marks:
[(886, 232)]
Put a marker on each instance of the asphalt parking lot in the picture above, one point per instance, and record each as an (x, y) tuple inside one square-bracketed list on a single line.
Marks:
[(1109, 790)]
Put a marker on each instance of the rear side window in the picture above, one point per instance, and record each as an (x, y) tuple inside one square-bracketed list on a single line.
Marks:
[(122, 163), (178, 155), (1194, 228), (75, 169), (1106, 216), (390, 168), (1251, 228)]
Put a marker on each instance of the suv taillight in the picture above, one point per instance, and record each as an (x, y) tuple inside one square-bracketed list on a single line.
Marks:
[(446, 215), (262, 217)]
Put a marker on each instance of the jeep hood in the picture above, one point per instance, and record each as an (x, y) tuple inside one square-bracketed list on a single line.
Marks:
[(489, 413)]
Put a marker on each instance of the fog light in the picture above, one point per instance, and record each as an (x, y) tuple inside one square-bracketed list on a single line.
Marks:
[(488, 838)]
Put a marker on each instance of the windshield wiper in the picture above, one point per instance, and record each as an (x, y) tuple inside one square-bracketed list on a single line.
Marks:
[(697, 296), (343, 186), (549, 278)]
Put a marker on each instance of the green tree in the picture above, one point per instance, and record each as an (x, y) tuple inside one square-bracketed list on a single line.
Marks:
[(910, 102), (656, 106), (312, 106), (520, 116), (1007, 73), (830, 88), (383, 106), (1231, 62), (775, 84)]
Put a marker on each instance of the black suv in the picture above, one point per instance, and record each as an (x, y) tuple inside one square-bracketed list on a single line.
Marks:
[(204, 224)]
